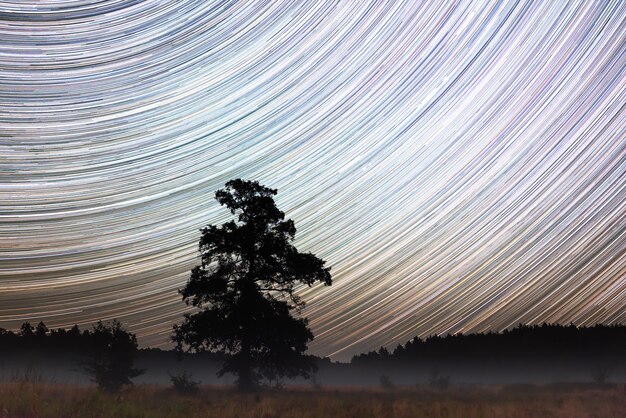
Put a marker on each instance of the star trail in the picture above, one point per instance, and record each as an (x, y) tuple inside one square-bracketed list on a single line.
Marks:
[(461, 166)]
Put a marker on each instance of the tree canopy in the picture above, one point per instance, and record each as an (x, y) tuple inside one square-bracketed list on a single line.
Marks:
[(244, 288), (111, 356)]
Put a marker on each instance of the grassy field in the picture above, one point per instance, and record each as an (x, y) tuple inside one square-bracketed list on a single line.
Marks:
[(28, 399)]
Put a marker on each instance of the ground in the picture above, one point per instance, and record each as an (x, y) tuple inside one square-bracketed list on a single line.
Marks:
[(32, 399)]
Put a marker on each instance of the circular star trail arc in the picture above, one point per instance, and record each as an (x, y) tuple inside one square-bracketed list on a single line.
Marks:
[(460, 165)]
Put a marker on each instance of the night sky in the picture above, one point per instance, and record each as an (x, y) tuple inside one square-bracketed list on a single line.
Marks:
[(461, 166)]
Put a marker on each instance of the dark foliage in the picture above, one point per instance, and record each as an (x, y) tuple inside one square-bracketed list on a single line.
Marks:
[(72, 342), (595, 354), (107, 351), (537, 345), (244, 288), (112, 353), (183, 383), (385, 382), (439, 381)]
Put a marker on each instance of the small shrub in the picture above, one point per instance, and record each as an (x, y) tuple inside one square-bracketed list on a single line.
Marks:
[(183, 383), (385, 382), (600, 375), (438, 381)]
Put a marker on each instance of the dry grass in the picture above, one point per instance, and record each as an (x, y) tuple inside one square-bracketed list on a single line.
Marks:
[(34, 399)]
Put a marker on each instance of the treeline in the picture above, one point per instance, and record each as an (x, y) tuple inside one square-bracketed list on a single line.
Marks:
[(106, 352), (537, 344), (75, 342), (29, 338)]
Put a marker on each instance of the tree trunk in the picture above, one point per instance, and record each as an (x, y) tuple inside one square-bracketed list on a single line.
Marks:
[(245, 383)]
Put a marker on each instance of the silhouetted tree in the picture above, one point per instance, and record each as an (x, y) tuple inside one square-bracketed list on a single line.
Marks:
[(26, 330), (244, 287), (112, 353), (184, 383), (42, 330)]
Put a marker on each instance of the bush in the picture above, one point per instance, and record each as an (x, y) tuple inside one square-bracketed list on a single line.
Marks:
[(183, 383), (600, 375), (111, 355), (385, 382), (438, 381)]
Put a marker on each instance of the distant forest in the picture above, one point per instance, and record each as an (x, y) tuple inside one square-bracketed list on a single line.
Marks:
[(545, 353), (34, 339), (537, 344)]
